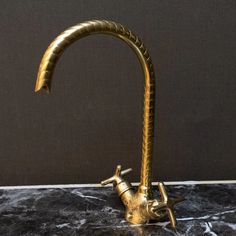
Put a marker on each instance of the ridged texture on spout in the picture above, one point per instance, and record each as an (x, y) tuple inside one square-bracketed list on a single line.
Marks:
[(76, 32)]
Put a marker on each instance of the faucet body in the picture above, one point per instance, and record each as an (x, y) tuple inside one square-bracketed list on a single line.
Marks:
[(140, 207)]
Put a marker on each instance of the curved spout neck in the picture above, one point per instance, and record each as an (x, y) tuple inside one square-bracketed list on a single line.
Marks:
[(81, 30)]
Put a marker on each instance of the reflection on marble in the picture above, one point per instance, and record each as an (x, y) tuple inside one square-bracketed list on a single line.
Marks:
[(208, 210)]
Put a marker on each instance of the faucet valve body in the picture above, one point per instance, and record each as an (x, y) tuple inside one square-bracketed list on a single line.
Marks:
[(140, 208)]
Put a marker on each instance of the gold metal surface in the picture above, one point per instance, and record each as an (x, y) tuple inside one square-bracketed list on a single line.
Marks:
[(140, 207)]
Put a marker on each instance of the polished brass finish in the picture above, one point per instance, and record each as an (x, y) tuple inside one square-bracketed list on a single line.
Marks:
[(140, 207)]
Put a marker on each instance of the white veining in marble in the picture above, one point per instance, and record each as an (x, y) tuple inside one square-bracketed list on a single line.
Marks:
[(208, 210)]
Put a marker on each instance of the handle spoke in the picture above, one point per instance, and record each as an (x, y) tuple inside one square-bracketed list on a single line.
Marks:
[(117, 175), (169, 203)]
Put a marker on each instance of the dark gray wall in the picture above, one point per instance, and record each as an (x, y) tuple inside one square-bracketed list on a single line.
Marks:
[(92, 120)]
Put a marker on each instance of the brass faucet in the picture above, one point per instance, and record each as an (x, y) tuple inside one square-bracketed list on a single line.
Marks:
[(140, 206)]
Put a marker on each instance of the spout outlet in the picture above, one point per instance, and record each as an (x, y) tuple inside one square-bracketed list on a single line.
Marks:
[(42, 83)]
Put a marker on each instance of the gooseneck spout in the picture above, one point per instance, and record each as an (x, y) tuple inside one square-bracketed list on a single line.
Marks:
[(79, 31), (140, 209)]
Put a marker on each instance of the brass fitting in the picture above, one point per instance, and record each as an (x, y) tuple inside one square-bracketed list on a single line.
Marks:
[(140, 207)]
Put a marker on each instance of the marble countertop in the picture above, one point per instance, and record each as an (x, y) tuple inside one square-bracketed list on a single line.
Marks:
[(208, 210)]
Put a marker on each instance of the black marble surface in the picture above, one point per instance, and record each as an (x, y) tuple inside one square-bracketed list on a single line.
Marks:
[(208, 210)]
